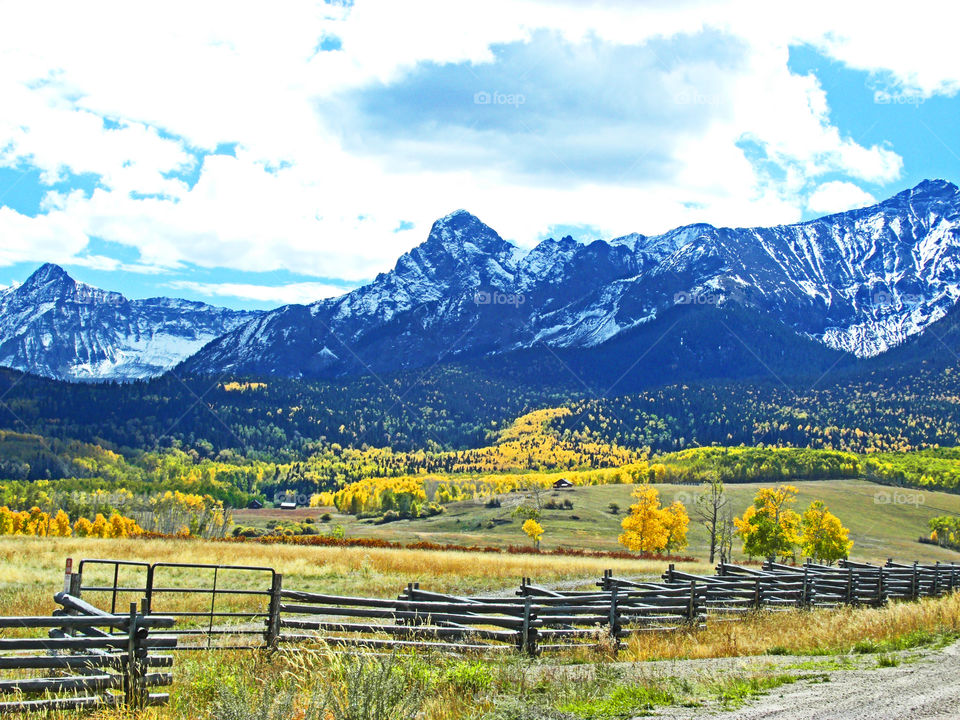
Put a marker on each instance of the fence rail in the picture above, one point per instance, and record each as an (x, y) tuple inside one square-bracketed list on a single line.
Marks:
[(535, 619), (105, 651)]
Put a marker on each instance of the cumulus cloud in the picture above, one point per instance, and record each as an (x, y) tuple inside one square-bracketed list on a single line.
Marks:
[(621, 116), (837, 196)]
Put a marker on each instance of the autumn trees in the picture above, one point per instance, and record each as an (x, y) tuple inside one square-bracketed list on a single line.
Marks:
[(824, 538), (36, 522), (771, 528), (651, 528)]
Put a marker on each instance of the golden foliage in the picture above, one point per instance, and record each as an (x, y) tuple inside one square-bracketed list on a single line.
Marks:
[(533, 529), (651, 528)]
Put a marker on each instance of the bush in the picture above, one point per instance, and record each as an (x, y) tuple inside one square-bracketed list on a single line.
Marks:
[(373, 688), (247, 532), (613, 508), (470, 678), (493, 502), (390, 516), (432, 509), (326, 517)]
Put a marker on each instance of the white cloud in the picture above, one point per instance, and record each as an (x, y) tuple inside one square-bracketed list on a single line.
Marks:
[(302, 293), (838, 196), (307, 194)]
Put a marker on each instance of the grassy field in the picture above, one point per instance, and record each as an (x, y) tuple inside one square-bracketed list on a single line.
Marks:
[(879, 529), (31, 568)]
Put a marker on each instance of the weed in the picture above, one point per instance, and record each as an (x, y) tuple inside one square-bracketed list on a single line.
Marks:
[(733, 692), (370, 688)]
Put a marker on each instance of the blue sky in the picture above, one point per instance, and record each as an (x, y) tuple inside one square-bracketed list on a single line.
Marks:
[(293, 157)]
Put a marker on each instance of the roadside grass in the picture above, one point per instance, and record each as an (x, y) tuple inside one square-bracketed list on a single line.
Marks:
[(899, 626)]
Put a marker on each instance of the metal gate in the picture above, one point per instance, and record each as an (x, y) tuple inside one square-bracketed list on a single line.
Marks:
[(241, 598)]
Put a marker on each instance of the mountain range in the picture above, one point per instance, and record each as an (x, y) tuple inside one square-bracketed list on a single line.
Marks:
[(695, 301), (54, 326)]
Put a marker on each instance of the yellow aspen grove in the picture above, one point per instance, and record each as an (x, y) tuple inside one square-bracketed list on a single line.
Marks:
[(645, 528)]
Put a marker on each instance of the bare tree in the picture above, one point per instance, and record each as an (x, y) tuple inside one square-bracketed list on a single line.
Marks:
[(725, 531), (709, 510)]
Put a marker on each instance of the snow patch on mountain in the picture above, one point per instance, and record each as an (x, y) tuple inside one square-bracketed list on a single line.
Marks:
[(52, 325)]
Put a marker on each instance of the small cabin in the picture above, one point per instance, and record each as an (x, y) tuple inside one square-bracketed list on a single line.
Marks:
[(254, 505), (563, 484), (288, 505)]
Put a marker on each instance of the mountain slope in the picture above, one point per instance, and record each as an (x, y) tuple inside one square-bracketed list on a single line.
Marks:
[(859, 282), (53, 326)]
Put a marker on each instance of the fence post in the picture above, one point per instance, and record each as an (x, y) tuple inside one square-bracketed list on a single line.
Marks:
[(615, 618), (915, 583), (670, 568), (528, 633), (850, 597), (148, 590), (692, 604), (76, 582), (134, 675), (272, 637), (756, 594), (805, 594), (936, 579)]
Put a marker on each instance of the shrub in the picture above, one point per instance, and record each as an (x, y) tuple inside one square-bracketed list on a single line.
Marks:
[(371, 688), (432, 509), (470, 678)]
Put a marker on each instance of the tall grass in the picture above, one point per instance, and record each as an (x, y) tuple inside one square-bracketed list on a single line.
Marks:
[(802, 632), (31, 568)]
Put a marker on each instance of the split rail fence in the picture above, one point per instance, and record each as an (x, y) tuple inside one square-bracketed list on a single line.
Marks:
[(533, 620), (89, 659)]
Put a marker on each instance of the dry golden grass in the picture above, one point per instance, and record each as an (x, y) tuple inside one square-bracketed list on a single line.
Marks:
[(804, 632), (31, 568)]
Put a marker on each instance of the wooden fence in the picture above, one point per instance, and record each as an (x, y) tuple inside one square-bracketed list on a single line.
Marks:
[(90, 658), (536, 619)]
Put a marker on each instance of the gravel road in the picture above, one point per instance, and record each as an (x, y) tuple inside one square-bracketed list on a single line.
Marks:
[(927, 687)]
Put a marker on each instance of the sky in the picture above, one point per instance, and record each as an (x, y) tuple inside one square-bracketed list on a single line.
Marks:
[(247, 157)]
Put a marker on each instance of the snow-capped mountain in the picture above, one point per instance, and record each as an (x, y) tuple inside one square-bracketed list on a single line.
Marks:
[(54, 326), (861, 281)]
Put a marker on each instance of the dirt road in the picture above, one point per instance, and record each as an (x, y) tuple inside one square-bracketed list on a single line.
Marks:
[(926, 687)]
